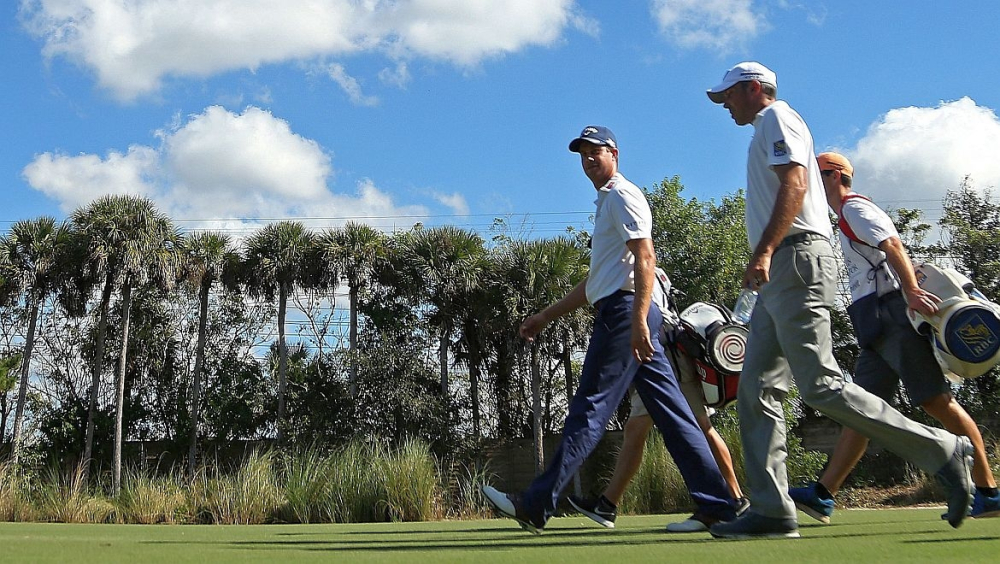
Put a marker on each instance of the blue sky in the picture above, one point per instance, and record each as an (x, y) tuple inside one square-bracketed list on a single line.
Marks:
[(230, 113)]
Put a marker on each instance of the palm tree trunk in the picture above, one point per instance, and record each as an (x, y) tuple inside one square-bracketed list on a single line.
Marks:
[(120, 389), (475, 360), (282, 358), (443, 341), (353, 370), (199, 363), (567, 360), (474, 377), (95, 376), (22, 389), (536, 410)]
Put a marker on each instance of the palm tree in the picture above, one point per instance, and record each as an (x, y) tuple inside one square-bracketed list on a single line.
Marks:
[(353, 252), (538, 273), (280, 257), (445, 263), (30, 255), (207, 255), (131, 244)]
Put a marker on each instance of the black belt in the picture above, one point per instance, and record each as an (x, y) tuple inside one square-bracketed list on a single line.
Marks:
[(597, 304), (801, 238)]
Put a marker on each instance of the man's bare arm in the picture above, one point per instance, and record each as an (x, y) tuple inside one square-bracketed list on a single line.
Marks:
[(791, 193), (645, 264), (577, 297), (917, 298)]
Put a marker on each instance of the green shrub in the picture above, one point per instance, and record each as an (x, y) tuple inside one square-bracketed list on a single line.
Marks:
[(657, 487), (463, 490)]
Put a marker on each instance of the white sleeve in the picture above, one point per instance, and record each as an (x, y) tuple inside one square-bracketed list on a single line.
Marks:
[(786, 139), (868, 221)]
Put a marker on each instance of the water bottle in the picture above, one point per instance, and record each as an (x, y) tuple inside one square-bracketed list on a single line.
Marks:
[(744, 306)]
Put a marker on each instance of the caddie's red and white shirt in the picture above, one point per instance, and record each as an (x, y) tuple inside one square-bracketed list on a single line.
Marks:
[(782, 137), (623, 214), (866, 267)]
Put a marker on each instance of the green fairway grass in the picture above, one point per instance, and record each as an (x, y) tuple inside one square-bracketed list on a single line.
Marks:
[(855, 536)]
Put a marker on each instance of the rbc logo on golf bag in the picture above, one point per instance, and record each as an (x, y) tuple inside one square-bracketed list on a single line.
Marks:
[(965, 331), (972, 335)]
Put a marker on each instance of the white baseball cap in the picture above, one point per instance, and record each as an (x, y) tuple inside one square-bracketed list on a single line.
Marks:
[(743, 72)]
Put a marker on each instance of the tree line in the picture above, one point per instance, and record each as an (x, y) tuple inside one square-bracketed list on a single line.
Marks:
[(117, 327)]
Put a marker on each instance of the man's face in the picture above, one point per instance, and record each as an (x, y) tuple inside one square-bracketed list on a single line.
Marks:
[(599, 162), (833, 188), (737, 99)]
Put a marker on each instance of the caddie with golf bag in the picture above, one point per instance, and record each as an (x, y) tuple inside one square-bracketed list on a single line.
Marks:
[(914, 324)]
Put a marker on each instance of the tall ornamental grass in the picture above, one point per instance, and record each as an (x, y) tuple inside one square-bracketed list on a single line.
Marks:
[(412, 484), (64, 498), (15, 499), (463, 490), (249, 496), (307, 488), (147, 499)]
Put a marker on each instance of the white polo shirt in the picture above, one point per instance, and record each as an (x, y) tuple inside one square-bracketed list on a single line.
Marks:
[(873, 226), (782, 137), (622, 215)]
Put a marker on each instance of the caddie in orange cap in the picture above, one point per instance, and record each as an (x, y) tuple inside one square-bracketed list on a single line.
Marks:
[(834, 161), (883, 285)]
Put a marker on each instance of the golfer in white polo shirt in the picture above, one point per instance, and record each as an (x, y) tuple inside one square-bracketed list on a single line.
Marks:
[(794, 269)]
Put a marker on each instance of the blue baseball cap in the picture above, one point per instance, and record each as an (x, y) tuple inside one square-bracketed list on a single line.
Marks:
[(596, 134)]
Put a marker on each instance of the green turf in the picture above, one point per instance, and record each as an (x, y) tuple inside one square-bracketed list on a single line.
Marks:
[(888, 535)]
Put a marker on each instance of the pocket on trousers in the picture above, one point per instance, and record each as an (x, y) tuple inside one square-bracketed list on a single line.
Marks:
[(818, 272)]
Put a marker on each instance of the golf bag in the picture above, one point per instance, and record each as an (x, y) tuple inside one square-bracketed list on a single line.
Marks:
[(965, 331), (716, 345)]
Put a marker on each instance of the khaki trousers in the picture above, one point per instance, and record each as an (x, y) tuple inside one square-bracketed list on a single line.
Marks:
[(790, 340)]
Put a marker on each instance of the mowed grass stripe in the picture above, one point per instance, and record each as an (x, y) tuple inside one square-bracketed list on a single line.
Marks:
[(862, 536)]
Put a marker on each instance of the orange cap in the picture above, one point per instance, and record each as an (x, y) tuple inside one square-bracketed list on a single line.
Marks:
[(835, 161)]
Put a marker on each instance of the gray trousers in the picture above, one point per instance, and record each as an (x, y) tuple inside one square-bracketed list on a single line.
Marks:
[(790, 338)]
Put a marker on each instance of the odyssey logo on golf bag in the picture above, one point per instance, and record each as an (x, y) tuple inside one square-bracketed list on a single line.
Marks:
[(965, 331), (717, 345)]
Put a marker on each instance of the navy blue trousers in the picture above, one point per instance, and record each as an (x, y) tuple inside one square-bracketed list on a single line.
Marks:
[(608, 369)]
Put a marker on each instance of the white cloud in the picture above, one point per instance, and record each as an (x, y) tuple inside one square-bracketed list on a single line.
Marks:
[(133, 46), (219, 168), (721, 25), (75, 181), (398, 77), (467, 31), (912, 156), (350, 85), (455, 201), (252, 161)]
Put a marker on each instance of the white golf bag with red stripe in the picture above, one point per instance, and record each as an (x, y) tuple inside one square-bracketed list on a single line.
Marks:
[(717, 345)]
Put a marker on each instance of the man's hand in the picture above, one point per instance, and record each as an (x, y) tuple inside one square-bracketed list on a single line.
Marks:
[(922, 301), (757, 272), (642, 346), (532, 326)]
